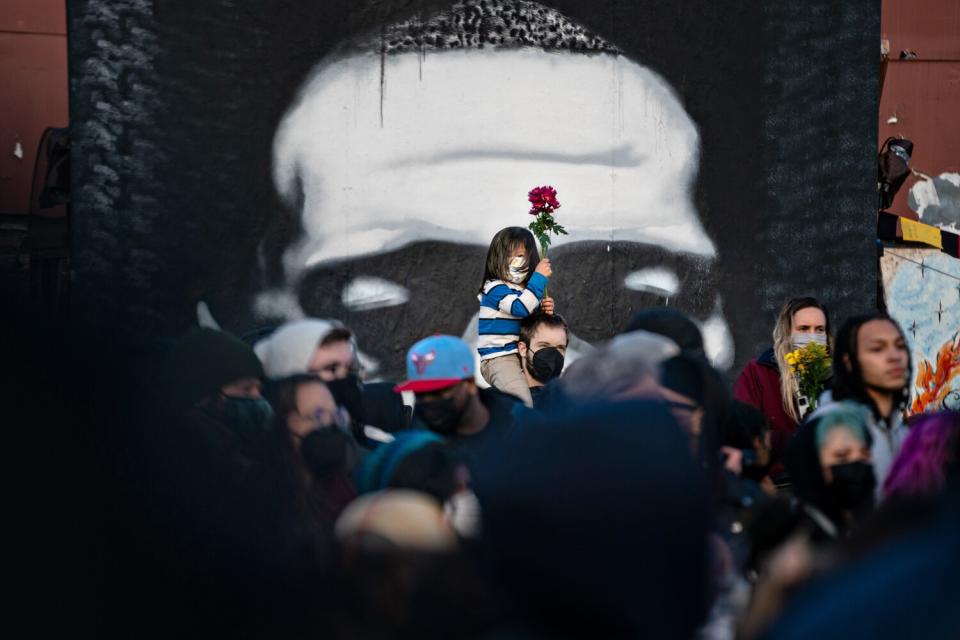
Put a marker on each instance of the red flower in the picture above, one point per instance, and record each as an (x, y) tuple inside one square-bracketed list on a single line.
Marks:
[(543, 200)]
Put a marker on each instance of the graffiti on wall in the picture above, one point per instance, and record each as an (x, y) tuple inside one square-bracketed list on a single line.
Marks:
[(922, 291), (353, 160), (433, 130), (937, 200)]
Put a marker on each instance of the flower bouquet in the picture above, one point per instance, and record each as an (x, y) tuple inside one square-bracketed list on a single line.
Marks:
[(543, 202), (811, 368)]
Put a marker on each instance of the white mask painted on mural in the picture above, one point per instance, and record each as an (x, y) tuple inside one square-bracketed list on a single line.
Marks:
[(382, 151)]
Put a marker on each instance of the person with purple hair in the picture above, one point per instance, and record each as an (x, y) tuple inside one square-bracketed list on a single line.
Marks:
[(920, 469)]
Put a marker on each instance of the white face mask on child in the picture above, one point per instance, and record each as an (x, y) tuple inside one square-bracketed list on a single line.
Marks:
[(518, 270)]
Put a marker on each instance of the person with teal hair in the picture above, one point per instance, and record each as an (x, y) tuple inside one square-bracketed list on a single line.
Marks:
[(829, 460), (416, 459), (421, 460)]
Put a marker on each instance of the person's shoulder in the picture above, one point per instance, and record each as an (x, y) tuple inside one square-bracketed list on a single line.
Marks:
[(493, 397), (767, 359)]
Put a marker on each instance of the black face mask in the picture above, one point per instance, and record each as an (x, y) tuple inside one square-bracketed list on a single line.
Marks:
[(545, 365), (442, 416), (250, 418), (348, 393), (328, 451), (853, 485)]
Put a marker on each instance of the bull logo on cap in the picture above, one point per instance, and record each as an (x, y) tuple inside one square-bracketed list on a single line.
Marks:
[(422, 360)]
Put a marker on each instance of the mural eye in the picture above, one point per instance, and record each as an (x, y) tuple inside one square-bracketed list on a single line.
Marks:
[(365, 293), (656, 280)]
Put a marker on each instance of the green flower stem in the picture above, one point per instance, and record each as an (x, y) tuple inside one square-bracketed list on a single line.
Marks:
[(543, 250)]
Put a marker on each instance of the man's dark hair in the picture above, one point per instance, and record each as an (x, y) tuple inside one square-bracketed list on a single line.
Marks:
[(743, 424), (685, 374), (498, 255), (340, 334), (848, 381), (431, 469), (530, 324)]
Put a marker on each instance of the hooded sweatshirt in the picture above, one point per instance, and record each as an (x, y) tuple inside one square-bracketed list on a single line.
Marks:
[(289, 349)]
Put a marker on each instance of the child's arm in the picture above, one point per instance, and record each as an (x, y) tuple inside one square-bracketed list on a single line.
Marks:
[(519, 305)]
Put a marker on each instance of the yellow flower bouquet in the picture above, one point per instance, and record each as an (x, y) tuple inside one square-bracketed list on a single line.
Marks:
[(811, 368)]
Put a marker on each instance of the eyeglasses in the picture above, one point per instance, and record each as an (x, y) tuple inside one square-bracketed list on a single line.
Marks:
[(323, 417), (341, 418)]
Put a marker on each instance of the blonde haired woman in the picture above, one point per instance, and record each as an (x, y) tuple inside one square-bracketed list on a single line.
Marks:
[(767, 382)]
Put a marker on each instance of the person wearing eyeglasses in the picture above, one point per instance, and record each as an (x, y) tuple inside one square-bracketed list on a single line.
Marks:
[(314, 444), (324, 348)]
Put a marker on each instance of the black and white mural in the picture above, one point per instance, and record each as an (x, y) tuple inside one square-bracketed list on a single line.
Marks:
[(275, 160)]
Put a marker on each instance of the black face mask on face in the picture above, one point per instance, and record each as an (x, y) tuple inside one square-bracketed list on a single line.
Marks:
[(441, 416), (327, 451), (348, 393), (545, 365), (853, 485), (250, 418)]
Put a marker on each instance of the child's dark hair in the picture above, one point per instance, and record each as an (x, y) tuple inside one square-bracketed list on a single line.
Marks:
[(498, 255)]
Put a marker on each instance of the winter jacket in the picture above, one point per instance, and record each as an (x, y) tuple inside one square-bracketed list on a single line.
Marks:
[(759, 386)]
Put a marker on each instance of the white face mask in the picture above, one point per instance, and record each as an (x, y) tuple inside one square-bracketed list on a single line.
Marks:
[(801, 340), (518, 270)]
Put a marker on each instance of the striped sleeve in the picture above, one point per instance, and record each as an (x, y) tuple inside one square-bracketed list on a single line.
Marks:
[(517, 304)]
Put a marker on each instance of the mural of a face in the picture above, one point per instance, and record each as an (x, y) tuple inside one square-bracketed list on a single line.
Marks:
[(425, 135)]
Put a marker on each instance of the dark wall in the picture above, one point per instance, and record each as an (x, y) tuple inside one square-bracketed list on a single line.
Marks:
[(175, 107)]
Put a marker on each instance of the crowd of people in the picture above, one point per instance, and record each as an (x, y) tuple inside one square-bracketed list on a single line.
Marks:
[(632, 492)]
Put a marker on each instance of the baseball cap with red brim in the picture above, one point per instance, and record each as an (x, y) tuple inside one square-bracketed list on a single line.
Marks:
[(436, 363)]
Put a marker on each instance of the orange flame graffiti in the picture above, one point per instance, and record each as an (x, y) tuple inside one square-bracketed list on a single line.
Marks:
[(934, 383)]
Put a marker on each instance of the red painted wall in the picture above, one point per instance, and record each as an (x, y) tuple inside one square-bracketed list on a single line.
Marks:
[(923, 94), (33, 90)]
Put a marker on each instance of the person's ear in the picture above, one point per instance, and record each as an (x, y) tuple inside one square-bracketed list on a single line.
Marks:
[(846, 363), (522, 350)]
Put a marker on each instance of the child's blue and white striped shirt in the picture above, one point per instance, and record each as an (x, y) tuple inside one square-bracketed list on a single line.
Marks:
[(502, 305)]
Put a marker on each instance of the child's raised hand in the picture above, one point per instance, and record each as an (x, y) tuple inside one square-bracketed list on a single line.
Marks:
[(543, 268), (547, 306)]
